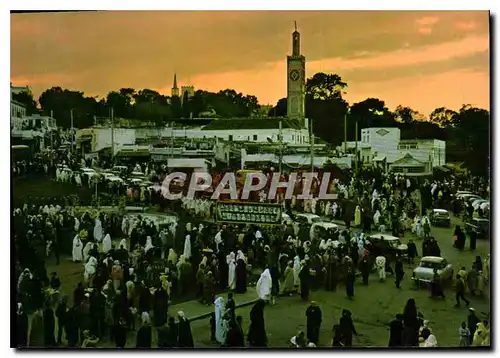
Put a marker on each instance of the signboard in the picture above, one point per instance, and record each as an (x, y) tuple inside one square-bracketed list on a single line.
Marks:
[(248, 213)]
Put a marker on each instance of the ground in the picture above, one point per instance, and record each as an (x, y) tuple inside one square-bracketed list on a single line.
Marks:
[(373, 307)]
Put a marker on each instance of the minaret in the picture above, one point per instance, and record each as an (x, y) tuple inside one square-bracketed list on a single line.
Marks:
[(175, 89), (296, 80)]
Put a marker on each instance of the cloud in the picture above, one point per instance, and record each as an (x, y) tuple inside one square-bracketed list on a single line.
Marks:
[(426, 24)]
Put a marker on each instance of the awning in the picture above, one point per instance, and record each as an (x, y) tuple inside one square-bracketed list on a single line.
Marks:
[(379, 159), (133, 153)]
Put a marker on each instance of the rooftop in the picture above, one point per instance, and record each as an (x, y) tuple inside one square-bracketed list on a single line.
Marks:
[(250, 123)]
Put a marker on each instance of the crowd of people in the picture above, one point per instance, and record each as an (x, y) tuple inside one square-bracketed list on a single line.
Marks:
[(133, 268)]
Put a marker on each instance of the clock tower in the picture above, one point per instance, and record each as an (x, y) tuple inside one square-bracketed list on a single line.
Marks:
[(296, 80)]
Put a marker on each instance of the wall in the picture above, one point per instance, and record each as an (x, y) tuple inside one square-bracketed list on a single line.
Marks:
[(294, 160), (102, 138)]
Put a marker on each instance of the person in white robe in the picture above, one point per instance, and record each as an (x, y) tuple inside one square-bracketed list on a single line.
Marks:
[(90, 269), (187, 246), (218, 239), (77, 224), (123, 244), (241, 256), (231, 262), (98, 230), (380, 264), (149, 244), (77, 249), (220, 310), (376, 218), (86, 251), (357, 216), (107, 244), (125, 225), (264, 285), (328, 209), (334, 209), (172, 256), (296, 270)]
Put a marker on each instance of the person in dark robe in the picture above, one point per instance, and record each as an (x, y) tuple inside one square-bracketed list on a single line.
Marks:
[(459, 238), (275, 279), (21, 327), (78, 294), (478, 264), (396, 331), (241, 276), (231, 305), (235, 336), (185, 339), (144, 336), (347, 328), (160, 306), (365, 268), (412, 251), (49, 325), (61, 319), (349, 284), (55, 282), (337, 336), (411, 324), (172, 334), (257, 336), (144, 298), (314, 319), (209, 288), (472, 238), (120, 333), (37, 334), (223, 269), (331, 273), (304, 277), (72, 327), (399, 271), (425, 247), (472, 321), (437, 286)]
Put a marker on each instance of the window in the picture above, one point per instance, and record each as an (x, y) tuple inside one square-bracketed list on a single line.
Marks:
[(230, 137), (255, 137)]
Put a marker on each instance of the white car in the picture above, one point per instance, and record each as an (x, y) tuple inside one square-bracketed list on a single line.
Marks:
[(425, 270), (477, 203), (307, 218)]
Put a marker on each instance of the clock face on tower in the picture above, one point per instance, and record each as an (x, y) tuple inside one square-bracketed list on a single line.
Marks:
[(294, 75)]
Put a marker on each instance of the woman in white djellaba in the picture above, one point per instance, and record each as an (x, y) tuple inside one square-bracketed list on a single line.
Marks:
[(187, 246), (86, 251), (357, 216), (264, 286), (98, 230), (231, 262), (107, 244), (220, 327), (90, 270), (380, 264), (77, 249)]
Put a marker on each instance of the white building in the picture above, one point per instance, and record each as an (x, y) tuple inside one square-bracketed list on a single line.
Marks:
[(384, 147)]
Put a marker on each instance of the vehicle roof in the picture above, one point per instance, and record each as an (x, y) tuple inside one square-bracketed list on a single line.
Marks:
[(326, 225), (440, 210), (480, 219), (432, 259), (384, 237), (308, 215)]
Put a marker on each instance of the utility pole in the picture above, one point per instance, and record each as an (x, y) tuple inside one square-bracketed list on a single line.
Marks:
[(311, 142), (280, 138), (51, 140), (112, 133), (345, 132), (356, 158), (72, 133)]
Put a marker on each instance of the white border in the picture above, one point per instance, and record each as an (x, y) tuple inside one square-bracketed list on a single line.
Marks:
[(191, 5)]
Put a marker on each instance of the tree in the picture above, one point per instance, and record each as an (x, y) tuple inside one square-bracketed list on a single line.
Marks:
[(324, 86), (405, 114), (371, 112), (280, 109), (443, 117)]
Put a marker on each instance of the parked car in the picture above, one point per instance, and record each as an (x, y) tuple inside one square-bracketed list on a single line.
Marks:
[(324, 230), (477, 203), (386, 245), (307, 218), (440, 217), (424, 272), (480, 226)]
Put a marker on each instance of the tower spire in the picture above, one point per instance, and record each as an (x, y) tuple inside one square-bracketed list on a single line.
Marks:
[(295, 41), (175, 89), (295, 23)]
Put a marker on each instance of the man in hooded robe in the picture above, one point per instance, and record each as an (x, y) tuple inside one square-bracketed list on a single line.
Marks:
[(288, 283), (396, 331), (77, 249), (187, 246), (107, 244), (257, 336), (231, 271), (314, 319), (365, 269), (264, 285), (305, 278), (220, 329), (380, 264), (98, 230), (184, 329), (241, 273), (347, 328)]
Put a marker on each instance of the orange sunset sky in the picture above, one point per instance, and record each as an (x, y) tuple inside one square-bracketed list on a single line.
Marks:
[(419, 59)]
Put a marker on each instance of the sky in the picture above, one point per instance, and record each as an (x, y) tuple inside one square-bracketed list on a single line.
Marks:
[(419, 59)]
